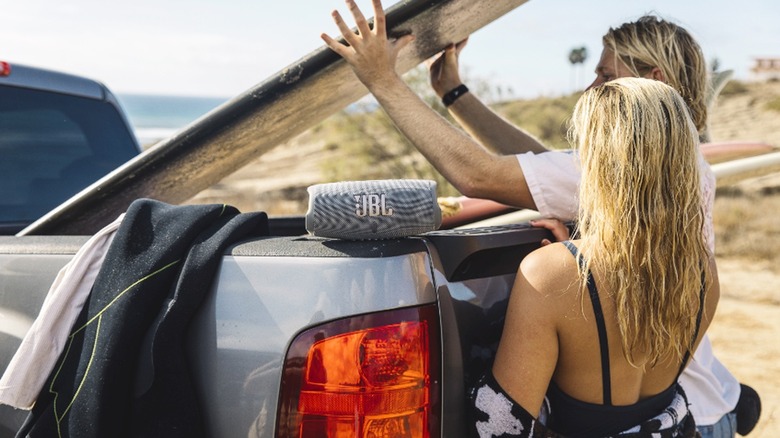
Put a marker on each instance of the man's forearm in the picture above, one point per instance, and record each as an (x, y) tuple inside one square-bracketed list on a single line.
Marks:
[(492, 130), (473, 170)]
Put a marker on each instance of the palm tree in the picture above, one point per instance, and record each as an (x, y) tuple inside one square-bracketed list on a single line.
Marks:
[(578, 55)]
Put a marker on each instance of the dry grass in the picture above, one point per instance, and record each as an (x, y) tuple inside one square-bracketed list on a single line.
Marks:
[(747, 227)]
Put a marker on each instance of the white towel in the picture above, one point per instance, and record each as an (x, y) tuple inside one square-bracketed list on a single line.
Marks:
[(42, 345)]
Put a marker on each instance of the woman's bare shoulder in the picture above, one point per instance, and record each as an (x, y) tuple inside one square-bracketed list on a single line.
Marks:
[(551, 271), (548, 263)]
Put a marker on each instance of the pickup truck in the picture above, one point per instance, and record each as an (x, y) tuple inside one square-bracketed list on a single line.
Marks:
[(421, 314), (58, 134)]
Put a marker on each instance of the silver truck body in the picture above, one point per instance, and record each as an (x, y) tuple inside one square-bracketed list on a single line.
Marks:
[(269, 290)]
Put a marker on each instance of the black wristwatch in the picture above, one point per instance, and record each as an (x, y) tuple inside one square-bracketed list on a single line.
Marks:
[(451, 96)]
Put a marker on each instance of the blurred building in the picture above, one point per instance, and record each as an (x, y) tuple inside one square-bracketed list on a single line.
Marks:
[(766, 69)]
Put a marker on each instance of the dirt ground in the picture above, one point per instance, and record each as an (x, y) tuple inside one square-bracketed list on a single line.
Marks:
[(746, 331)]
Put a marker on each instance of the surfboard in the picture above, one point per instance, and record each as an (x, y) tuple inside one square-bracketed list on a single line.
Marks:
[(274, 111)]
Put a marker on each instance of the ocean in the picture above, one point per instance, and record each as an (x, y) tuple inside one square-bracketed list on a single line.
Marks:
[(156, 117)]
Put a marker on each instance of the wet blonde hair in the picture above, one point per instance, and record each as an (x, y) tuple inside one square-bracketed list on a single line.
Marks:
[(653, 42), (641, 215)]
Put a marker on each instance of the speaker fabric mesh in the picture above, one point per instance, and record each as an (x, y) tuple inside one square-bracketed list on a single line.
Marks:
[(375, 209)]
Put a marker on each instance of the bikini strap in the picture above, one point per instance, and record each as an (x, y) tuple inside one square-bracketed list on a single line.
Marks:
[(606, 380)]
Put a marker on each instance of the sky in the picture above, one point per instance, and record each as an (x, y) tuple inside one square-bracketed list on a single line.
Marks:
[(221, 48)]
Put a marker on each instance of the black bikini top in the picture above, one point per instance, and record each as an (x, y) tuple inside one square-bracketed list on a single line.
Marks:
[(570, 416)]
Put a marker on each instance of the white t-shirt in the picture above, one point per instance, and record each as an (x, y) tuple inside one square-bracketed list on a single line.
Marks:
[(553, 178)]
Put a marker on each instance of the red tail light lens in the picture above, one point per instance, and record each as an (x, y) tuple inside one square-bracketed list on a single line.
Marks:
[(5, 68), (369, 376)]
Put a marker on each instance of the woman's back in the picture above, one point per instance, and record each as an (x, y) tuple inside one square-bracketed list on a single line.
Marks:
[(578, 371), (592, 375), (551, 320)]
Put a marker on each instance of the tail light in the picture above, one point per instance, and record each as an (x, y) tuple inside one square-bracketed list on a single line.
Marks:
[(5, 69), (368, 376)]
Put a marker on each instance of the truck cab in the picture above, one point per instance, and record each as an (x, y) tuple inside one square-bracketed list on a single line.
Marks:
[(58, 134)]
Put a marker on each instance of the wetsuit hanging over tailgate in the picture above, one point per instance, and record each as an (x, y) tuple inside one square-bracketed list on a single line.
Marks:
[(159, 267)]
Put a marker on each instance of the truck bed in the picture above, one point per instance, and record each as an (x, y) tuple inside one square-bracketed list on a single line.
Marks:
[(270, 290)]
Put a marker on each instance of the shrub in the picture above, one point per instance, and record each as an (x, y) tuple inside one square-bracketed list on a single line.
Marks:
[(733, 88)]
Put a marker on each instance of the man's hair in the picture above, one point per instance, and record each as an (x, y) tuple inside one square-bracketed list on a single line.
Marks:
[(653, 42), (641, 215)]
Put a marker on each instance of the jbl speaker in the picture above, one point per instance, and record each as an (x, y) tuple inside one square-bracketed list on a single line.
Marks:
[(379, 209)]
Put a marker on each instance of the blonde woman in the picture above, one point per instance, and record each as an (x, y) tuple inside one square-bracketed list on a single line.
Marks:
[(599, 329)]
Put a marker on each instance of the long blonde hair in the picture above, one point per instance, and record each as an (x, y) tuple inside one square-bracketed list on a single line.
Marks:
[(641, 217), (653, 42)]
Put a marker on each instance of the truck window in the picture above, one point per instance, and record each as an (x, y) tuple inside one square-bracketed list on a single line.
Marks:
[(51, 146)]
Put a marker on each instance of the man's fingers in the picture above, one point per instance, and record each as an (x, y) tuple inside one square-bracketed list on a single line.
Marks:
[(434, 67), (558, 229), (335, 45), (360, 20), (379, 18), (346, 32), (438, 65), (460, 45), (452, 55), (402, 42)]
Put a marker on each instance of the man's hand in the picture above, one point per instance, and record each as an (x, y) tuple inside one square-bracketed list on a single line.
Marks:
[(443, 68), (369, 53), (559, 230)]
